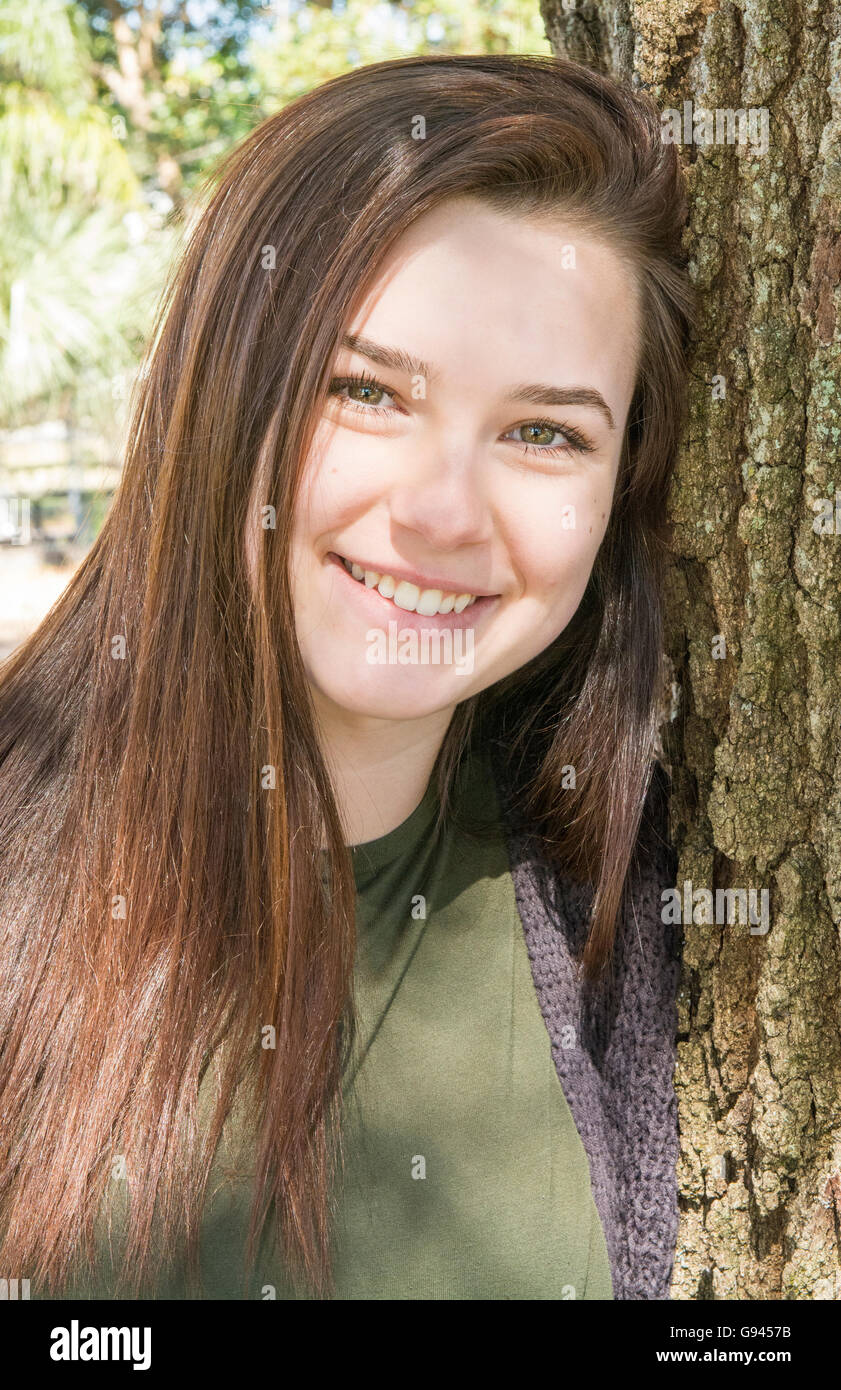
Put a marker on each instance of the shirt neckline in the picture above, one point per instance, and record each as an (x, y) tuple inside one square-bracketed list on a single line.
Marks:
[(372, 855)]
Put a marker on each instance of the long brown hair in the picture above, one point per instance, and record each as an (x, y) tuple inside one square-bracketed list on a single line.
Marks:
[(161, 895)]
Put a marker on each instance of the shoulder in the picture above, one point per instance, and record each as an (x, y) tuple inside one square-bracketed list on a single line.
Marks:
[(644, 943), (653, 852), (613, 1040)]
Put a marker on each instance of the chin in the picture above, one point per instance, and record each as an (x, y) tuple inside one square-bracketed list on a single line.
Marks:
[(395, 693)]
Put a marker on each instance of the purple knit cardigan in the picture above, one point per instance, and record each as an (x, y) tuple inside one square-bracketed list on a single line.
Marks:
[(613, 1045)]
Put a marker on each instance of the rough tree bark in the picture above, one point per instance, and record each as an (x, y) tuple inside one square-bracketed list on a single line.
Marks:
[(755, 731)]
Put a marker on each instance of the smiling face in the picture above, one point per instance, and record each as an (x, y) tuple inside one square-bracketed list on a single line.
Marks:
[(465, 462)]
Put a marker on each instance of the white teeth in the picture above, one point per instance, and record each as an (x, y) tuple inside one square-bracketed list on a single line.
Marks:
[(406, 596), (429, 602), (426, 602)]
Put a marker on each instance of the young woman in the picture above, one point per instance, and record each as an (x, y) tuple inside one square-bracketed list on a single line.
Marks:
[(334, 834)]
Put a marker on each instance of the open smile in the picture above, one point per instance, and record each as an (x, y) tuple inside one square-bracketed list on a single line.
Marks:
[(438, 604)]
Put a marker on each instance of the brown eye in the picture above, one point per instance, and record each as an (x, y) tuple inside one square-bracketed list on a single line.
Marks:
[(362, 393), (368, 395), (536, 435), (529, 433)]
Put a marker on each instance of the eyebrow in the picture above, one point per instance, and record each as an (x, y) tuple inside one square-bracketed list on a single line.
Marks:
[(537, 393)]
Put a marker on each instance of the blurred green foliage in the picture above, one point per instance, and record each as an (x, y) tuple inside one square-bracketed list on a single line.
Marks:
[(111, 114)]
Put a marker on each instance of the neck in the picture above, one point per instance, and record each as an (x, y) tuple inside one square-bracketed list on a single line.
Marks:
[(380, 768)]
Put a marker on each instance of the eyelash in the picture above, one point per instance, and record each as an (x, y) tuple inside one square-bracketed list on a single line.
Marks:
[(578, 442)]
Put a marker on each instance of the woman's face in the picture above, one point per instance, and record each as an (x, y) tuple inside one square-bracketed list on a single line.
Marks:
[(478, 458)]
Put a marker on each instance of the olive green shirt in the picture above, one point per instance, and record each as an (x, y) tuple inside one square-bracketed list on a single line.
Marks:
[(469, 1177), (464, 1175)]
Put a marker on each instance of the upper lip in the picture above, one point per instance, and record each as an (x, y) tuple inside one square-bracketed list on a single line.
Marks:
[(421, 581)]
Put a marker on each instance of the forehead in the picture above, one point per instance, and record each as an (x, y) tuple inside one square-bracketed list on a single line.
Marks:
[(496, 298)]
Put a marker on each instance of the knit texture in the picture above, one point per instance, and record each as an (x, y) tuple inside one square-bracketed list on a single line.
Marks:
[(613, 1043)]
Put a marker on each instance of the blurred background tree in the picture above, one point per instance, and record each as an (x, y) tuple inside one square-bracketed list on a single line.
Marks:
[(113, 116), (111, 111), (191, 77), (76, 248)]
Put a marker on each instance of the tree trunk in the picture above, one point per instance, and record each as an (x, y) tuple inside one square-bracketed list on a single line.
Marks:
[(755, 730)]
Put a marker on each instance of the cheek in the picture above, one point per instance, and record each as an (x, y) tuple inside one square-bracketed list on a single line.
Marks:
[(554, 544), (338, 482)]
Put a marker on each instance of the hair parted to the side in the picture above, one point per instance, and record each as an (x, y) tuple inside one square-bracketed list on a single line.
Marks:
[(159, 906)]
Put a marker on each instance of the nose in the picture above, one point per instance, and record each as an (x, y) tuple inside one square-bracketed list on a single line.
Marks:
[(443, 499)]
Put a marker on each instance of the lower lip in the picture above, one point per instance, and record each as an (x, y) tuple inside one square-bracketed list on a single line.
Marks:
[(382, 610)]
